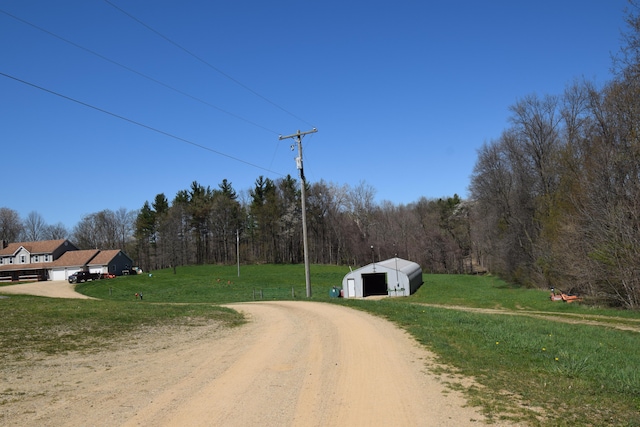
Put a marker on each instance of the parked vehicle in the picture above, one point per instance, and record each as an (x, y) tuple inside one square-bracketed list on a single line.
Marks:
[(83, 276)]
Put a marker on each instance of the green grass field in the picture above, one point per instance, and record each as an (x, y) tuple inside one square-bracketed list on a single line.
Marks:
[(219, 284), (529, 364)]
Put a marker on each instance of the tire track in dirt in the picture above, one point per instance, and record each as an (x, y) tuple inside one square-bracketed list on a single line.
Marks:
[(571, 318)]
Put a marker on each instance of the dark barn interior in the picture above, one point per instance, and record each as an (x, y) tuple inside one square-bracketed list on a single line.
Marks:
[(374, 284)]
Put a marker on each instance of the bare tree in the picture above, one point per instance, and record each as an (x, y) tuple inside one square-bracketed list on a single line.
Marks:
[(85, 235), (627, 62), (56, 232), (125, 222), (360, 207), (608, 213), (493, 192), (34, 228), (326, 204), (10, 225), (97, 231), (537, 122)]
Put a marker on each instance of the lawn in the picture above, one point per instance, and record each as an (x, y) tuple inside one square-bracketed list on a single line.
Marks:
[(537, 370), (219, 284), (36, 326)]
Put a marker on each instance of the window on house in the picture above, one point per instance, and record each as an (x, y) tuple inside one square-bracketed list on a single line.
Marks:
[(10, 260), (46, 258), (23, 259), (35, 258)]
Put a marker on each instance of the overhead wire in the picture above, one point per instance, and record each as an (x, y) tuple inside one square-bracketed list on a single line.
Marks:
[(105, 58), (208, 64), (126, 119), (92, 52)]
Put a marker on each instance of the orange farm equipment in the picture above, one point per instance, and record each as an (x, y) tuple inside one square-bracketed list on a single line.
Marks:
[(558, 295)]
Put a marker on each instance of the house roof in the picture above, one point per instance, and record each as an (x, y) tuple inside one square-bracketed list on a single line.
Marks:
[(41, 247), (75, 258), (21, 267), (104, 257)]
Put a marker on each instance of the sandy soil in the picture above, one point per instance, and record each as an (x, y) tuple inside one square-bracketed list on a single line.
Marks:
[(51, 289), (292, 364)]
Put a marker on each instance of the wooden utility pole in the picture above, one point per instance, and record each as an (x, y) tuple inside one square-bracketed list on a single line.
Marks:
[(298, 137)]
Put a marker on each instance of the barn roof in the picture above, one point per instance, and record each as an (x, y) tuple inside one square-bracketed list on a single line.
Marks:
[(399, 264), (402, 265)]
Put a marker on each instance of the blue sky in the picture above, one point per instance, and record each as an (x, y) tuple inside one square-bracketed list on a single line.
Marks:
[(402, 93)]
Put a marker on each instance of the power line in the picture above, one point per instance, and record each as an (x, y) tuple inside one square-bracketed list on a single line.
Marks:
[(68, 98), (92, 52), (205, 62)]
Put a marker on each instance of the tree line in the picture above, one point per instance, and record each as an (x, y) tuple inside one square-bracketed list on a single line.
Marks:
[(106, 229), (556, 198), (202, 225), (345, 226)]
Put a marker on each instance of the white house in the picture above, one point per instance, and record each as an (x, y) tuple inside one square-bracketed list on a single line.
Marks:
[(392, 277)]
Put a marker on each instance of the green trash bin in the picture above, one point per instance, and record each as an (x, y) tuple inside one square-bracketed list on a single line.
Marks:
[(334, 292)]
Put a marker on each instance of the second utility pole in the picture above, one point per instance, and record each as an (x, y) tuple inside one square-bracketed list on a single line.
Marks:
[(298, 136)]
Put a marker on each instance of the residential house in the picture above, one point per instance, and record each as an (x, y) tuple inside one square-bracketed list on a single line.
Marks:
[(31, 260), (57, 260)]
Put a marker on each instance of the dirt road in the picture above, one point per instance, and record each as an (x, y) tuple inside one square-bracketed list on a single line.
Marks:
[(51, 289), (292, 364)]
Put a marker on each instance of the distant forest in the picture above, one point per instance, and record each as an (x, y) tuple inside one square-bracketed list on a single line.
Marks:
[(214, 225), (554, 202)]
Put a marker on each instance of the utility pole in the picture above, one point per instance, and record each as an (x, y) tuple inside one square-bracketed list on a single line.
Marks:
[(298, 137)]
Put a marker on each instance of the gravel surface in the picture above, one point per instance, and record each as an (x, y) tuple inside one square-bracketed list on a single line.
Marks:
[(293, 364)]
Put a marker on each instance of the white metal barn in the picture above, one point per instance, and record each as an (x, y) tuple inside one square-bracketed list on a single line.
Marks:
[(393, 277)]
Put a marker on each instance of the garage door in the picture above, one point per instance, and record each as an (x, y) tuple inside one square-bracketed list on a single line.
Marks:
[(62, 274)]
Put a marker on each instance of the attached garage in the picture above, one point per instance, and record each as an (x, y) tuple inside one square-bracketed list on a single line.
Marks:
[(71, 262), (393, 277)]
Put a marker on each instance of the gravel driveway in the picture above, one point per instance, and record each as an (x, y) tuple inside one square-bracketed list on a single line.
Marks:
[(295, 363)]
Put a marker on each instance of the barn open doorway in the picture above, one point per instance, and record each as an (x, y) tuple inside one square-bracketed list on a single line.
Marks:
[(374, 284)]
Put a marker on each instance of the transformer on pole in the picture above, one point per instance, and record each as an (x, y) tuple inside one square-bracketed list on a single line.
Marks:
[(298, 137)]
